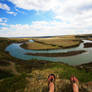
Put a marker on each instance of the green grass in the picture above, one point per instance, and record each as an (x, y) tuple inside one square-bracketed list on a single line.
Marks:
[(68, 71), (13, 84), (65, 72), (4, 63), (5, 74)]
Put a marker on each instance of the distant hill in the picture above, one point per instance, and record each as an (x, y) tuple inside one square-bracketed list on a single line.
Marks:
[(79, 35)]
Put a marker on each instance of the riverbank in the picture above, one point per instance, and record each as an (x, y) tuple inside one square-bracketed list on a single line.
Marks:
[(86, 66), (71, 53), (87, 45)]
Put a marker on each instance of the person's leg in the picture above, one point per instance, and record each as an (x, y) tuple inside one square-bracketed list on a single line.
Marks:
[(74, 82), (75, 87), (51, 85)]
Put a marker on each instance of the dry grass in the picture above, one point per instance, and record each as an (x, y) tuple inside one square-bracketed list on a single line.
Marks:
[(52, 43), (11, 68), (68, 37), (19, 39), (38, 82), (65, 42), (90, 39), (37, 46)]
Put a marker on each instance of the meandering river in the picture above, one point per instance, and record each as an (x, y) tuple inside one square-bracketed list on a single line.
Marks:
[(16, 51)]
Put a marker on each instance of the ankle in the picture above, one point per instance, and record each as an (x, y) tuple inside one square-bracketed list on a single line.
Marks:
[(75, 87)]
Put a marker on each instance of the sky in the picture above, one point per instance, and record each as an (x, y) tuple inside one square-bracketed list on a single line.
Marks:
[(22, 18)]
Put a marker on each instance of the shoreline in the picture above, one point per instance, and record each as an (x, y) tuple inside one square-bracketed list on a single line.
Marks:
[(86, 66)]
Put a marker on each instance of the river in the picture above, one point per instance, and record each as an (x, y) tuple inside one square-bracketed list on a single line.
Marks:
[(16, 51)]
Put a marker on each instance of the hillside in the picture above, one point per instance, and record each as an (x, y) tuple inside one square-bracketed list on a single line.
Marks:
[(31, 76)]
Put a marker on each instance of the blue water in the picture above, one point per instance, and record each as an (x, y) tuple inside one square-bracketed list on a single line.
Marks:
[(31, 40), (16, 51)]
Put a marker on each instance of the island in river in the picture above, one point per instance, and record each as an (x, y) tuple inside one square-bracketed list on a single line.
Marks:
[(52, 43)]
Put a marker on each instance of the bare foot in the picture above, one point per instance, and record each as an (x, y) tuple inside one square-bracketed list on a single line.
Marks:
[(75, 84), (51, 79)]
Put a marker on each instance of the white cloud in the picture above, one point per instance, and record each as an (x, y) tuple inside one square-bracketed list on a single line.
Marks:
[(60, 6), (3, 21), (43, 28), (13, 13), (7, 8), (3, 24), (68, 11), (43, 5), (75, 18), (4, 6)]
